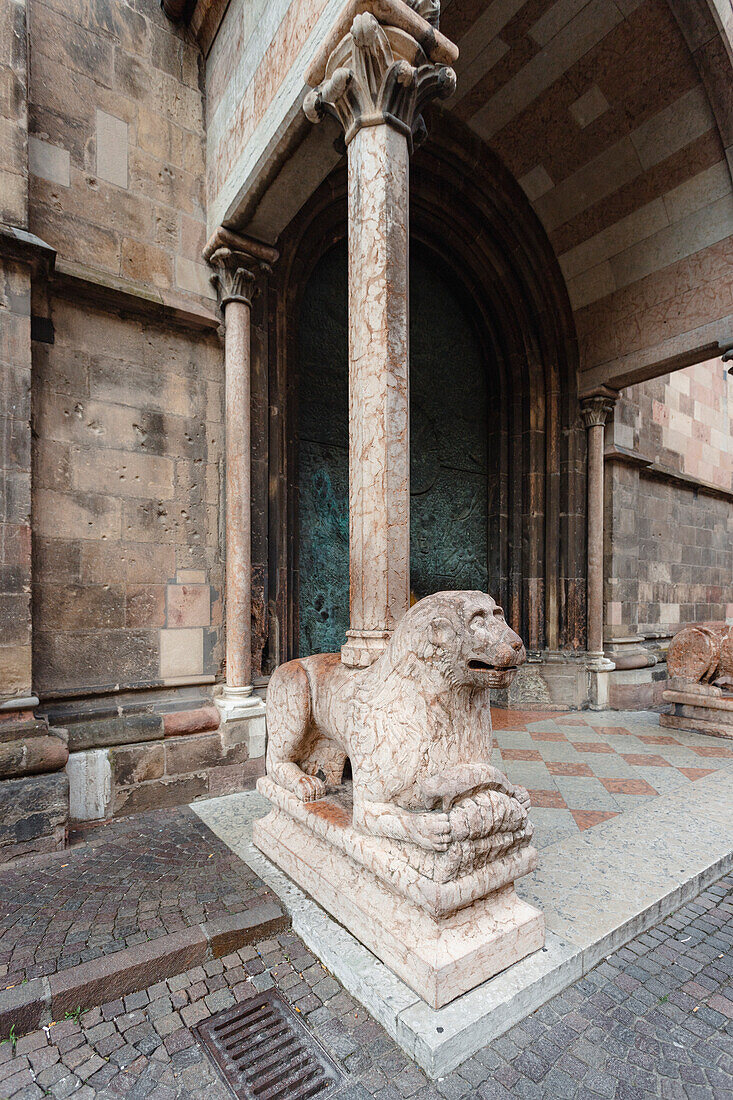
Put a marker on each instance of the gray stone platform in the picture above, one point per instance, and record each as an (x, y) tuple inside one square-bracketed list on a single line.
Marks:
[(599, 888)]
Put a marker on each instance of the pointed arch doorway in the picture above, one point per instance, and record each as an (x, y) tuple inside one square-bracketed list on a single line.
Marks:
[(494, 401)]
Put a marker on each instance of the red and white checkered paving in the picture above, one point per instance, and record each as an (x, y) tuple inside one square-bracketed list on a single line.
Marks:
[(582, 769)]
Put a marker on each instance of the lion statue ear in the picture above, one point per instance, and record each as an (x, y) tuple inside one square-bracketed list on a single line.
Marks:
[(440, 631)]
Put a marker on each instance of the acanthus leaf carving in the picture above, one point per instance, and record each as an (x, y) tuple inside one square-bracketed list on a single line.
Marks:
[(233, 277), (378, 75), (595, 410)]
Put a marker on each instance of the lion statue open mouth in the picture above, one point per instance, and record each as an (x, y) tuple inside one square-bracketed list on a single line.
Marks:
[(415, 725)]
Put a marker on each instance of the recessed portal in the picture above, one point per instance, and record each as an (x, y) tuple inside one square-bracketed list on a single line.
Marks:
[(448, 444)]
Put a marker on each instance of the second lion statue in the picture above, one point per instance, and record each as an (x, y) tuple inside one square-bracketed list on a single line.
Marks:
[(415, 726)]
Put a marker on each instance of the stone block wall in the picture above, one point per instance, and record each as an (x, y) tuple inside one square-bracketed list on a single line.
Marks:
[(128, 569), (117, 142), (152, 758), (15, 366), (669, 557), (682, 421), (14, 121), (15, 481), (111, 603)]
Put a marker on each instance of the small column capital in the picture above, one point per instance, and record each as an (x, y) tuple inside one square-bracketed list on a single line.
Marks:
[(235, 260), (386, 65), (596, 406), (232, 279)]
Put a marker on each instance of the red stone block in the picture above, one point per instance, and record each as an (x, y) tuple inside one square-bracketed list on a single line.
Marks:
[(696, 773), (644, 760), (586, 819), (559, 768), (627, 786), (548, 800), (190, 721)]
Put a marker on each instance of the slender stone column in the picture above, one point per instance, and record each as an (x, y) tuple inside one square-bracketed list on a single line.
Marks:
[(379, 456), (234, 278), (595, 409), (374, 76)]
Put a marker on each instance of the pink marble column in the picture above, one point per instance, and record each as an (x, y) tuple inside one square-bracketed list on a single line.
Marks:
[(375, 73), (234, 278), (595, 409), (379, 441)]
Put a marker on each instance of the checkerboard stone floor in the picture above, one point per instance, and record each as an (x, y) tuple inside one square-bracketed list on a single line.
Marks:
[(583, 769)]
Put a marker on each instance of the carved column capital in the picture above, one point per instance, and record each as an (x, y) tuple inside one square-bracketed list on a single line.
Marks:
[(596, 407), (235, 260), (233, 277), (382, 71)]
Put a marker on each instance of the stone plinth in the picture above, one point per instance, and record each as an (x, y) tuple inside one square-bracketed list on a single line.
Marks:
[(700, 708), (440, 958), (434, 884), (700, 663)]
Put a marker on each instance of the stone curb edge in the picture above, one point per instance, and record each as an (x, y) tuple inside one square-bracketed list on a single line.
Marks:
[(41, 1000)]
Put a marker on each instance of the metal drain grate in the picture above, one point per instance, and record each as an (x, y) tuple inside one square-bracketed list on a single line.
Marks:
[(266, 1053)]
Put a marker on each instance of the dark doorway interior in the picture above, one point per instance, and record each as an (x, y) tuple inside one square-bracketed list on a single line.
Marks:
[(448, 443)]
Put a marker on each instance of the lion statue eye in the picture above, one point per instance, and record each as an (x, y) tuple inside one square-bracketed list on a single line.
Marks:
[(499, 612)]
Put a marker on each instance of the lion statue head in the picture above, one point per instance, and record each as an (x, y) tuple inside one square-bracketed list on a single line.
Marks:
[(464, 635)]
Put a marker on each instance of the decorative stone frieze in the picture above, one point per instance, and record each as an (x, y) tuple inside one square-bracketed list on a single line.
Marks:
[(378, 74)]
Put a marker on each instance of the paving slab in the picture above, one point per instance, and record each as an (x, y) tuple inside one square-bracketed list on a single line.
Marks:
[(149, 895)]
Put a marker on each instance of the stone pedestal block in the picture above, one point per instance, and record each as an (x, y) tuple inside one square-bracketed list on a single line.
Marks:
[(699, 708), (440, 959)]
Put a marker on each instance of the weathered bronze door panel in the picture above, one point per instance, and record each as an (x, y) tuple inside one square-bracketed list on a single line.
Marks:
[(448, 445)]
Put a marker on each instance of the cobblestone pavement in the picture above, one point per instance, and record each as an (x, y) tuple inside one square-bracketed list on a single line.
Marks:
[(653, 1020), (122, 883)]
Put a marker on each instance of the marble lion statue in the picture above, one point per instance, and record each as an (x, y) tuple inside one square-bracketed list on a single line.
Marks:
[(415, 725)]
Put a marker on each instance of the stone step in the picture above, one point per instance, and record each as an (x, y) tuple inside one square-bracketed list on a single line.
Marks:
[(41, 1000)]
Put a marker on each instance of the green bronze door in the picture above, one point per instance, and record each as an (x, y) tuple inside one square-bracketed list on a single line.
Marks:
[(448, 445)]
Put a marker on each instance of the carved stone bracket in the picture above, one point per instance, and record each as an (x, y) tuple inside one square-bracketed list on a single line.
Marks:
[(379, 74)]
